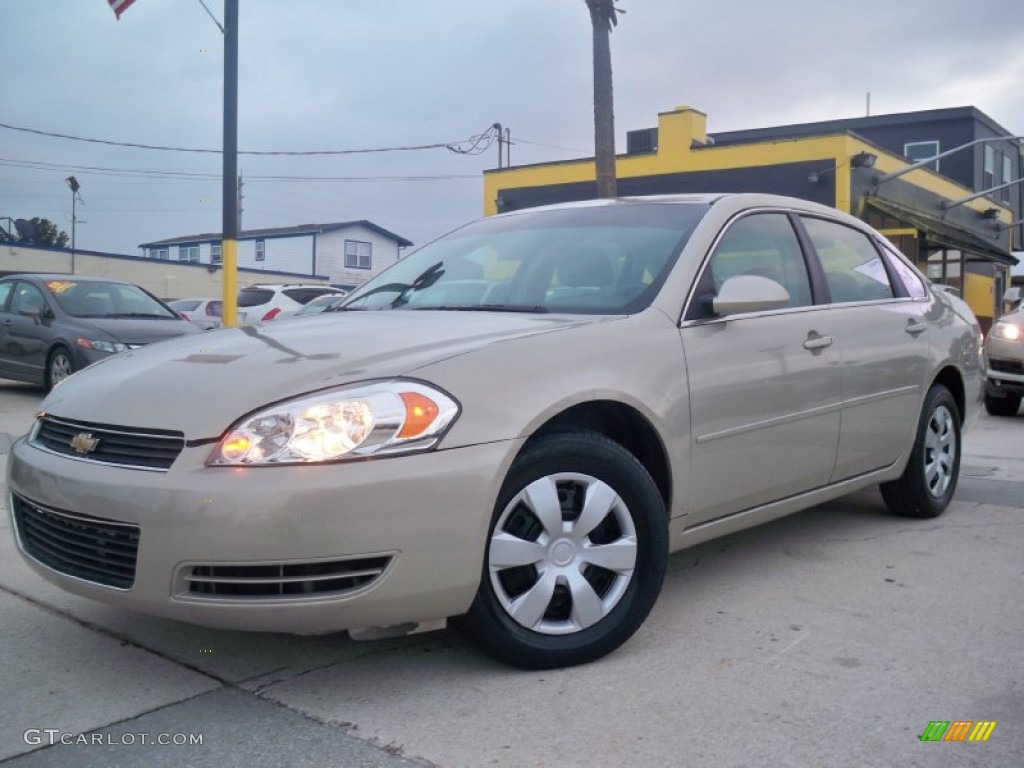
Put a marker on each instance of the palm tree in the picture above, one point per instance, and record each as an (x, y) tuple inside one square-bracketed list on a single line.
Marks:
[(603, 16)]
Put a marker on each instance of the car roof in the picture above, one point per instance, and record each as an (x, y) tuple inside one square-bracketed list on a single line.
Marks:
[(45, 276)]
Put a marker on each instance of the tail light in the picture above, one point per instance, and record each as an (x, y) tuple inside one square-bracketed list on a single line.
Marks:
[(272, 314)]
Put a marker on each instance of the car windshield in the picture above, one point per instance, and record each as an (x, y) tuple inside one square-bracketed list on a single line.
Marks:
[(593, 260), (98, 299)]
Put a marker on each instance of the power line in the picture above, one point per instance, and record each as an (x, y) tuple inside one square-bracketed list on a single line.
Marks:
[(454, 146), (550, 146), (39, 165)]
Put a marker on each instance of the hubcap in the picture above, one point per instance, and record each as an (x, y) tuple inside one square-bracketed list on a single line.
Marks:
[(60, 368), (562, 553), (940, 450)]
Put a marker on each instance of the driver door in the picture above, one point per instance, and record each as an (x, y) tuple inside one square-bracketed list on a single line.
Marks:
[(765, 393)]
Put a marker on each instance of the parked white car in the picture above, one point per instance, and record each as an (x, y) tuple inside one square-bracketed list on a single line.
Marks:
[(261, 303), (206, 313), (514, 425)]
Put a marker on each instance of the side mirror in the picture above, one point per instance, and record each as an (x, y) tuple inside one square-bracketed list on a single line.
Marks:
[(749, 293)]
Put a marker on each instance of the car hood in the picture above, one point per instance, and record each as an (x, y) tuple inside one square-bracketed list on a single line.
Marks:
[(135, 330), (201, 384)]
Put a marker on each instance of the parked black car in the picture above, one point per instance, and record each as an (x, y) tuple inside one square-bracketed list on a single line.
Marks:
[(53, 325)]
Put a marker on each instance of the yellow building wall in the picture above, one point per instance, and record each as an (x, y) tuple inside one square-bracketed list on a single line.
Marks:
[(979, 291), (682, 147)]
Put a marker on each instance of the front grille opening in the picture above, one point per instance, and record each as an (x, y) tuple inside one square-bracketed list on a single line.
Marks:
[(89, 548), (1006, 366), (109, 444), (285, 580)]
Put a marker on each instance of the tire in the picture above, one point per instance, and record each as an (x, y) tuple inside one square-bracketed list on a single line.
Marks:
[(929, 480), (1007, 405), (576, 554), (58, 367)]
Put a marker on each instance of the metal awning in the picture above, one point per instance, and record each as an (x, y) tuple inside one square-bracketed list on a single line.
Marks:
[(944, 233)]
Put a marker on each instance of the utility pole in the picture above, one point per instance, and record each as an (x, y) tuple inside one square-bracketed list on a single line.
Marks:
[(241, 197), (229, 180), (501, 137)]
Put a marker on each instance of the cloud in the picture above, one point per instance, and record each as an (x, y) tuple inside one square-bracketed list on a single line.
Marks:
[(318, 74)]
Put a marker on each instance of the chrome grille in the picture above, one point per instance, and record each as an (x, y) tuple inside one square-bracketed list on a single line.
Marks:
[(90, 548), (283, 580), (109, 444)]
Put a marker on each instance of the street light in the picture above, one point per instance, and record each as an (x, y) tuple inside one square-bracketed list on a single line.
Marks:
[(73, 184)]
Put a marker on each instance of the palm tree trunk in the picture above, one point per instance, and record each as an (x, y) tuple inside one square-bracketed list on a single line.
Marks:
[(604, 115)]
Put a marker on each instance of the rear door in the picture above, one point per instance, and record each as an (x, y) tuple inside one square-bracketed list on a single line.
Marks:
[(882, 336), (764, 387)]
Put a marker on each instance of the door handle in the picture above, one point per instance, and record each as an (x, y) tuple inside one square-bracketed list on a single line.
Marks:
[(816, 341), (915, 327)]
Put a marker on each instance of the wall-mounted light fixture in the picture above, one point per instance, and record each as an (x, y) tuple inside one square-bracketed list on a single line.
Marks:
[(863, 160)]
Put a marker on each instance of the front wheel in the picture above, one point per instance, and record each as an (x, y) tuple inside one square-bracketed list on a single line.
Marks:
[(58, 367), (1007, 405), (576, 554), (929, 480)]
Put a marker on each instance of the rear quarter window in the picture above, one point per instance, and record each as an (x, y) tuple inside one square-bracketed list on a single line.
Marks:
[(253, 297), (853, 267), (909, 279)]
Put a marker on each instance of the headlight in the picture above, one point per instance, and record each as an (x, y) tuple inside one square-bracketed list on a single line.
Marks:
[(1007, 331), (356, 421), (101, 345)]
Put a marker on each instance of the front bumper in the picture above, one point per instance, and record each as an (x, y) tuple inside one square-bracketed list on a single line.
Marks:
[(425, 517), (1004, 361)]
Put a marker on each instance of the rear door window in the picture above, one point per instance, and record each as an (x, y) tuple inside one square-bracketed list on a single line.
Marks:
[(305, 295), (854, 270)]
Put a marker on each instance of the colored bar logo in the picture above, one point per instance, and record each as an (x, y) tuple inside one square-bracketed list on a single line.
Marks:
[(958, 730)]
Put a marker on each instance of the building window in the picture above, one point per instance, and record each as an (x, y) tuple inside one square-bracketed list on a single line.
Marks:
[(988, 176), (162, 254), (922, 150), (261, 250), (215, 257), (1007, 177), (358, 255), (188, 253)]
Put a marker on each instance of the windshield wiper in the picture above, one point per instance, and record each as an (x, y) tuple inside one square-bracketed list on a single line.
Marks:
[(535, 309)]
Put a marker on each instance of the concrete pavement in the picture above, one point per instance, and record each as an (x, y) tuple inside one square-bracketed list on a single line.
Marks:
[(829, 638)]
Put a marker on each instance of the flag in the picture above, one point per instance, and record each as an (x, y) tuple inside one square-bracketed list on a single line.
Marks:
[(120, 6)]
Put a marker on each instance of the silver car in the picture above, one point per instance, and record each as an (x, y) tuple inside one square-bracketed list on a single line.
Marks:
[(514, 425), (1004, 361)]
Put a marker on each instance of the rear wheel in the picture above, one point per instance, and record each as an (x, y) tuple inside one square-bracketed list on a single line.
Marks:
[(58, 367), (576, 554), (929, 480), (1007, 405)]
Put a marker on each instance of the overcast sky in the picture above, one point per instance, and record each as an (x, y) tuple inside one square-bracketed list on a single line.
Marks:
[(362, 74)]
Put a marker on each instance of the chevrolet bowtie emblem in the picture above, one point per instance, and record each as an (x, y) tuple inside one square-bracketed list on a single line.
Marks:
[(84, 443)]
